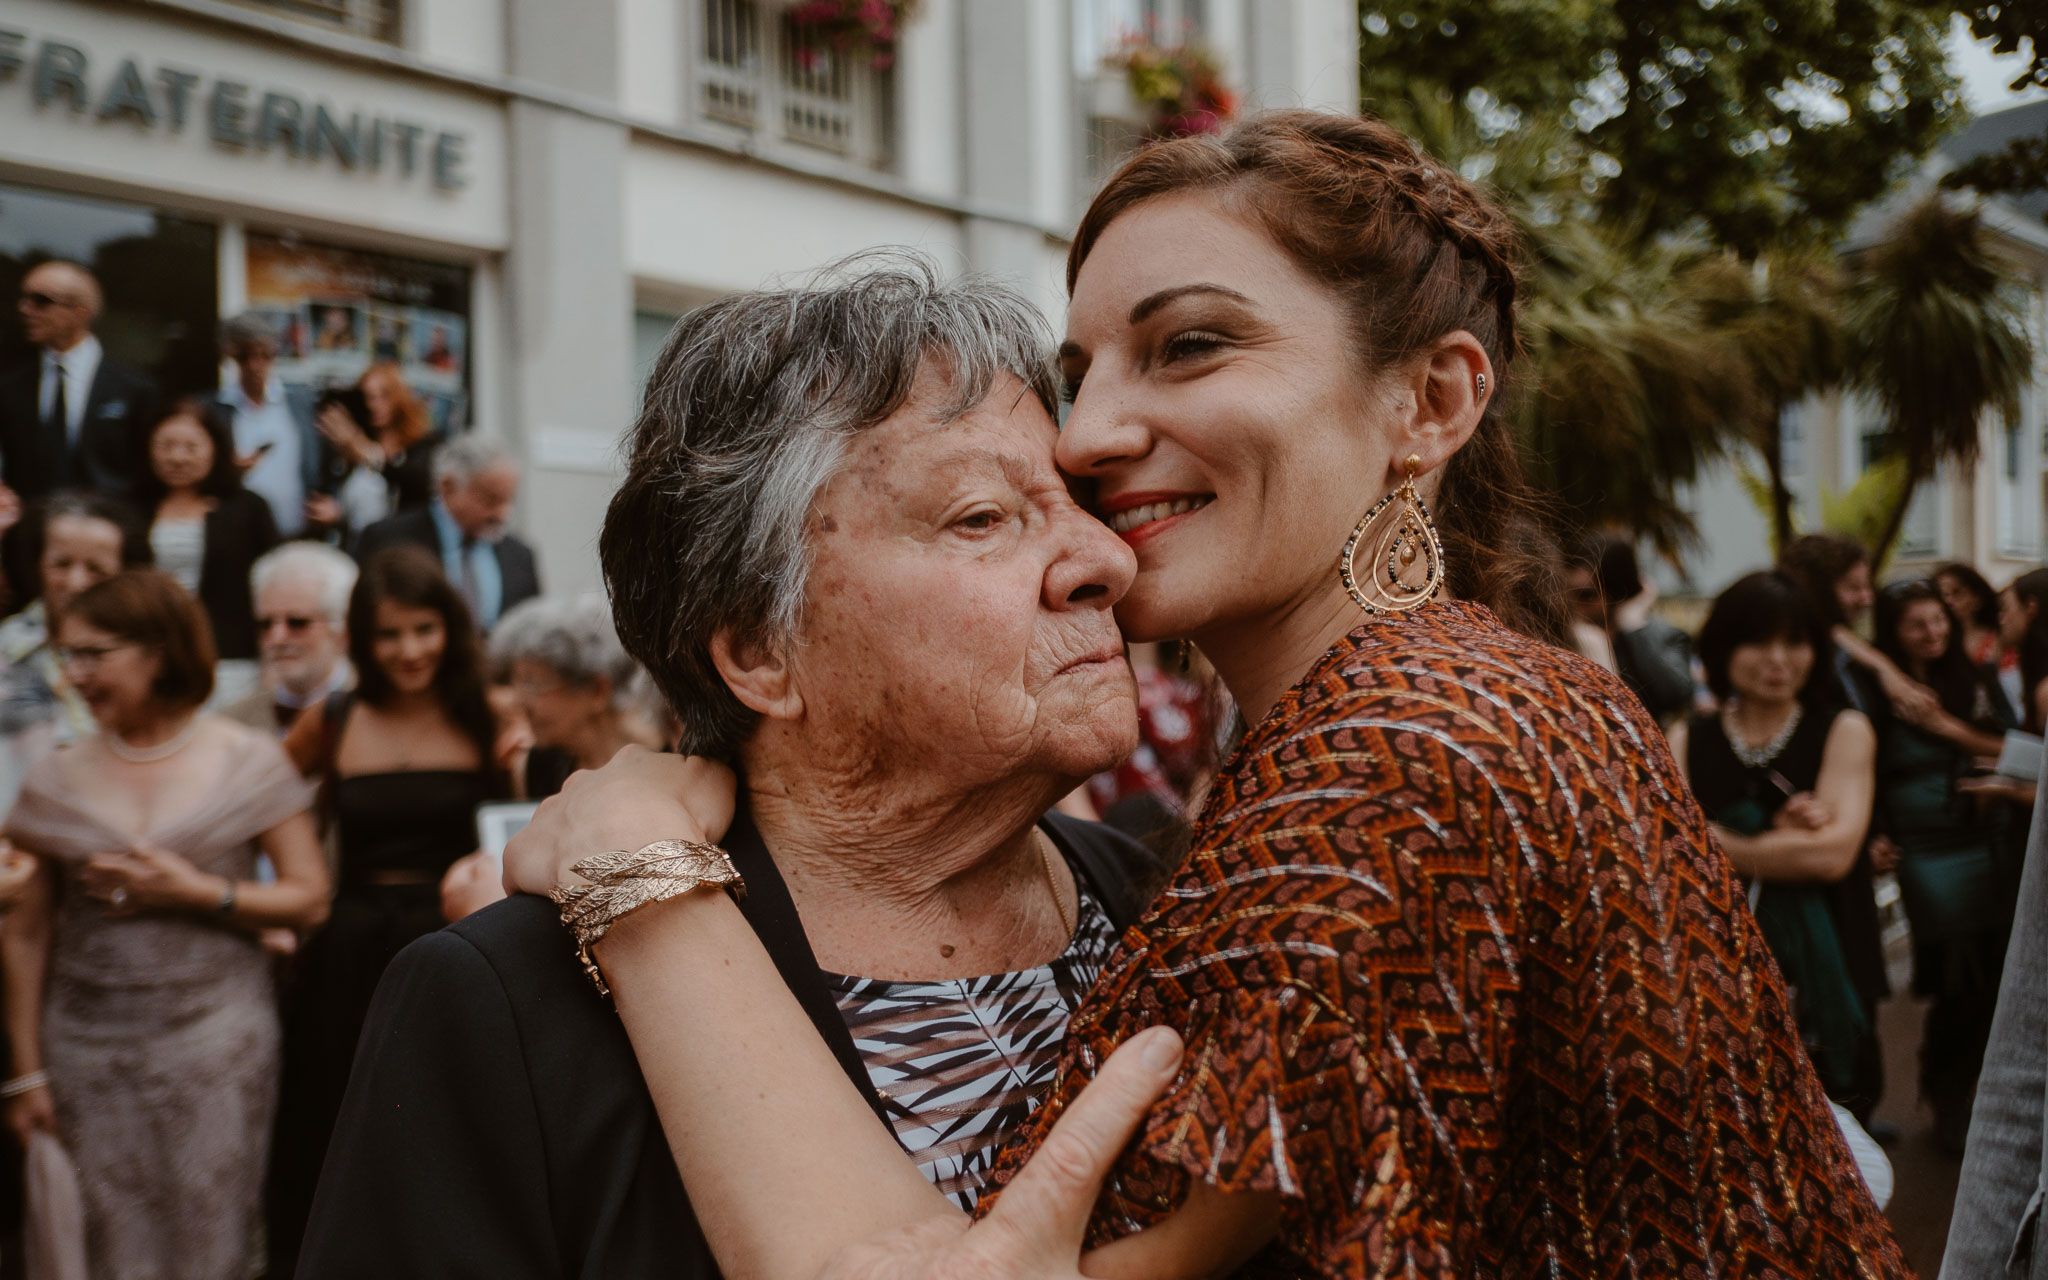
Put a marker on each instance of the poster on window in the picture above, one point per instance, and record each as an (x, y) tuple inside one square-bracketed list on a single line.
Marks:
[(338, 311)]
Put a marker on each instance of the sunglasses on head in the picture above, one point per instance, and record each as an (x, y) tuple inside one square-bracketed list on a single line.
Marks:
[(291, 621)]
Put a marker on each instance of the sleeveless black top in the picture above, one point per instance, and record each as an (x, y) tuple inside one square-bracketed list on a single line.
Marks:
[(416, 821), (1745, 799)]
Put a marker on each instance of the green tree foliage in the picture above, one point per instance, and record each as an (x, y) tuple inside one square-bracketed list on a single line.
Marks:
[(2022, 165), (1765, 121), (1782, 312), (1645, 358)]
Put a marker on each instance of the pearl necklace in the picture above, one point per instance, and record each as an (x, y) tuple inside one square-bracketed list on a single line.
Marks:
[(1758, 756), (150, 755)]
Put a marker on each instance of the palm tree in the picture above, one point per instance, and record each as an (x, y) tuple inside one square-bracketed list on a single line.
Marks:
[(1783, 311), (1937, 336), (1633, 386)]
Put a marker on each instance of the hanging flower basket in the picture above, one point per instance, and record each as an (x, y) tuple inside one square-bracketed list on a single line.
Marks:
[(864, 28), (1179, 87)]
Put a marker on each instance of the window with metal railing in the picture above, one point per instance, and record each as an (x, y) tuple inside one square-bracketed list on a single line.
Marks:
[(370, 19), (756, 69)]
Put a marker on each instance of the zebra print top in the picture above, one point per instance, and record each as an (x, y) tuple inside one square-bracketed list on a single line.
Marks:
[(960, 1063)]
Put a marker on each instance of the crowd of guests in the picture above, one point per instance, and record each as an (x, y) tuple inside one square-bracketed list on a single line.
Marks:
[(263, 655), (1826, 760)]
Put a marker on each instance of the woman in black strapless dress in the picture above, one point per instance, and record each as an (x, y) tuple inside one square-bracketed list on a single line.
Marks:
[(404, 760)]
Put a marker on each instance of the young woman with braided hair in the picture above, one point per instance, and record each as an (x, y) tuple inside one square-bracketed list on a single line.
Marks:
[(1466, 986)]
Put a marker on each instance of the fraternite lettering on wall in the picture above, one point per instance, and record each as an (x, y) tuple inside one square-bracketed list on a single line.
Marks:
[(233, 114)]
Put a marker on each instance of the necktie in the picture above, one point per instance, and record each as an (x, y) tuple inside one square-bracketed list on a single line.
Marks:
[(471, 593), (287, 716), (57, 432)]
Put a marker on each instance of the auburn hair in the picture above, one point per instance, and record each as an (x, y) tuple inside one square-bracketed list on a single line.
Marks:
[(408, 412), (147, 607), (1414, 252)]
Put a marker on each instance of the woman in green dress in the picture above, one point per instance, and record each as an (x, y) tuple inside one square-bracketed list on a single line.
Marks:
[(1948, 876), (1784, 772)]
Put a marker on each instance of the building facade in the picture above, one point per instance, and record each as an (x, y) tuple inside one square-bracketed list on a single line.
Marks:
[(1989, 514), (514, 199)]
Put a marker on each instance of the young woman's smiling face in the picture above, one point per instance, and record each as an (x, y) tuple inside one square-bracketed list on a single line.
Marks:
[(1230, 431)]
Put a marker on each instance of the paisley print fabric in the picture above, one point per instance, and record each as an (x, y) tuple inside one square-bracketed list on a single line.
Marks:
[(1465, 978), (960, 1062)]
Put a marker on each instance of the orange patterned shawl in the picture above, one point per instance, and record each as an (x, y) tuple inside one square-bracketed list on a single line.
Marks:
[(1464, 976)]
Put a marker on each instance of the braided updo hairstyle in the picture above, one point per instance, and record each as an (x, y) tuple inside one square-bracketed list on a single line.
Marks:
[(1415, 252)]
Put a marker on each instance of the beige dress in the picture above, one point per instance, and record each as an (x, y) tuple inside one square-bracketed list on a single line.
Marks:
[(160, 1033)]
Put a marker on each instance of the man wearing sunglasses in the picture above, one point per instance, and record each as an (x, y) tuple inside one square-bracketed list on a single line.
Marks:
[(72, 417), (301, 592)]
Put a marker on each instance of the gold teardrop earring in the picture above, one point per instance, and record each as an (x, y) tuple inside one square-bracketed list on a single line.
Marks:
[(1400, 542)]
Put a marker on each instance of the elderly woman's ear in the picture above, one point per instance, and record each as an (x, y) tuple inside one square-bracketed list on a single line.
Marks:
[(759, 677)]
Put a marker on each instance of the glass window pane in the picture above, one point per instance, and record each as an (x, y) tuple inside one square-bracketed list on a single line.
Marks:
[(159, 272)]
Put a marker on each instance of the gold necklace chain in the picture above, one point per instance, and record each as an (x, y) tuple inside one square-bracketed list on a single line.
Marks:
[(1052, 881)]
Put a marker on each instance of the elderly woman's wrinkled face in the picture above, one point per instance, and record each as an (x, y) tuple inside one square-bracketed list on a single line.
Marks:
[(1221, 409), (959, 603)]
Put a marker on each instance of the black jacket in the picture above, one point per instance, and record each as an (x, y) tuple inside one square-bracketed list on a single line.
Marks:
[(497, 1125), (516, 565), (108, 452), (239, 530)]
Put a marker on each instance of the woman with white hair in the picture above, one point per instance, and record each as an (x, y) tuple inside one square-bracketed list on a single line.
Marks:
[(575, 686), (574, 682)]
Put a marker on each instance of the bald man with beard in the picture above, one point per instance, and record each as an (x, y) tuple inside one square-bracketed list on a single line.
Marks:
[(72, 418)]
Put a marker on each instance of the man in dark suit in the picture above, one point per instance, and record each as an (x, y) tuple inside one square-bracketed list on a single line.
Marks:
[(74, 418), (475, 481)]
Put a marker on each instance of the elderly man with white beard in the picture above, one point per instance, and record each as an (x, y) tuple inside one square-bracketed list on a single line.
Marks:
[(301, 594)]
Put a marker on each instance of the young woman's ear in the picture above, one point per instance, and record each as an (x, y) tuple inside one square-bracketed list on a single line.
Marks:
[(1446, 394), (759, 677)]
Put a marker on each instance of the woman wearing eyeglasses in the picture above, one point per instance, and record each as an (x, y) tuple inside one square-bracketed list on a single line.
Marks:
[(68, 542), (139, 1002)]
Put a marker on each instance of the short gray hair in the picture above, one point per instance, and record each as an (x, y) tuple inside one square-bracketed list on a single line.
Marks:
[(572, 637), (746, 419), (462, 458), (332, 568), (246, 329)]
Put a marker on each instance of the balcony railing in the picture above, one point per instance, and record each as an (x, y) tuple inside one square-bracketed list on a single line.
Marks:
[(370, 19)]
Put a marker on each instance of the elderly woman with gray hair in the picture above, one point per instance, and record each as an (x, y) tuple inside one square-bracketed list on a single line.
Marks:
[(579, 693), (866, 464), (576, 686)]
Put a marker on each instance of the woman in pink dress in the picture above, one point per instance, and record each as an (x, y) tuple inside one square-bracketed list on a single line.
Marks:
[(139, 1003)]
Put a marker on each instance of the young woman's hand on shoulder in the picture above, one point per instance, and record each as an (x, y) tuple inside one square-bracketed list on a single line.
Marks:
[(640, 797)]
